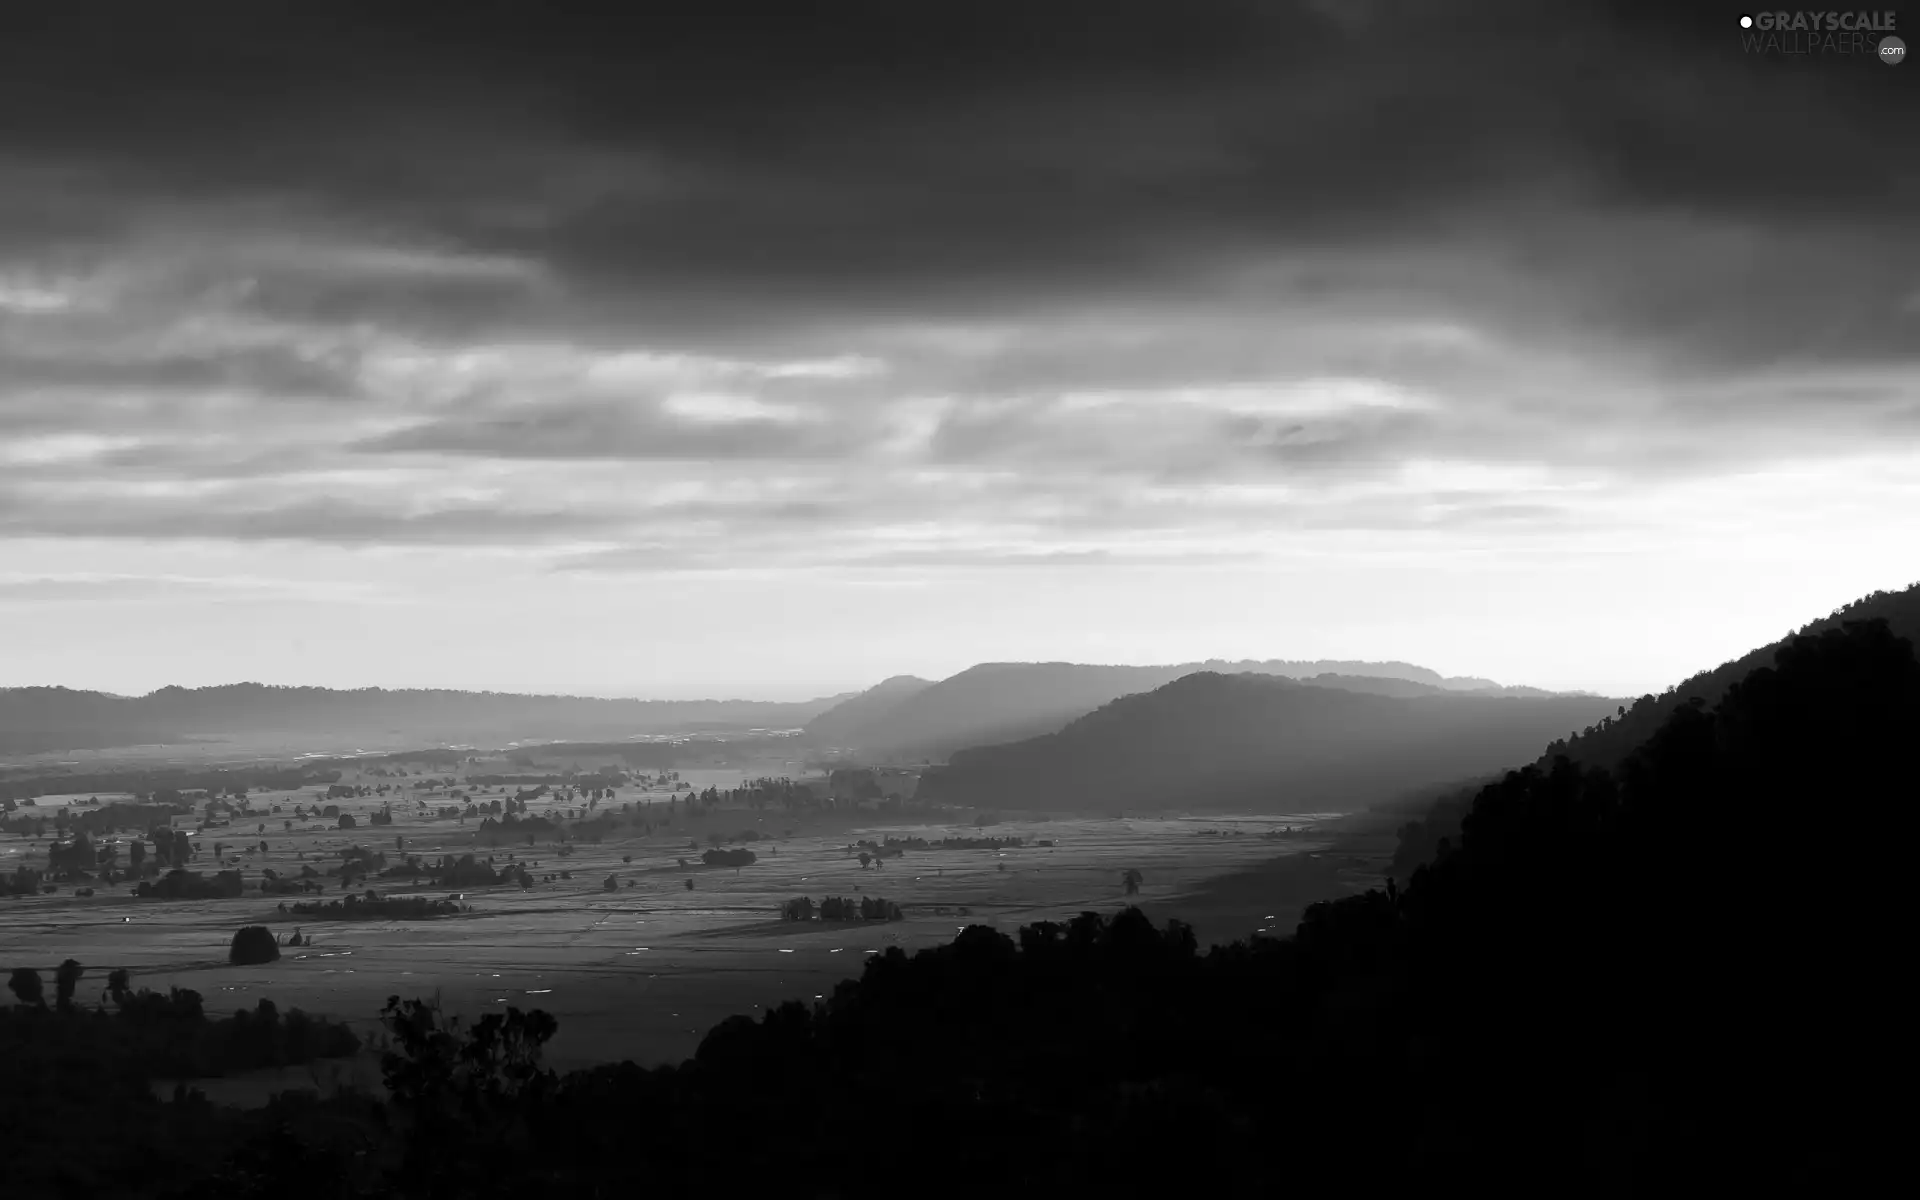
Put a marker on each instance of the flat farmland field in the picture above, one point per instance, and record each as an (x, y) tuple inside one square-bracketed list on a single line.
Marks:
[(640, 972)]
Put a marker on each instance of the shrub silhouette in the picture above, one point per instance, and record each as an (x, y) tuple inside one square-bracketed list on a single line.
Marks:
[(252, 946), (66, 979), (27, 987)]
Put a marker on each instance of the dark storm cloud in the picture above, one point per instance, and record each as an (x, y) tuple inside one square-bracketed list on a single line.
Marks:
[(732, 164), (1595, 236)]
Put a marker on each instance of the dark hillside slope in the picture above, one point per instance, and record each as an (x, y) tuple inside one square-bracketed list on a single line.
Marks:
[(1257, 740), (1611, 741)]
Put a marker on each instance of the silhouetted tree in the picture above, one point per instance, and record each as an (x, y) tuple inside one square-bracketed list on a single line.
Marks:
[(66, 978), (252, 946), (26, 987)]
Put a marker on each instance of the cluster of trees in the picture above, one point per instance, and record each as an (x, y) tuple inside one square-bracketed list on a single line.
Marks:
[(371, 906), (468, 871), (512, 827), (165, 786), (78, 859), (182, 884), (895, 844), (171, 847), (109, 818), (842, 908), (759, 795), (148, 1035), (857, 784), (272, 883), (718, 857), (24, 881)]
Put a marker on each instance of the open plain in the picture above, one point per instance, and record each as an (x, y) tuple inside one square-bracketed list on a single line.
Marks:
[(643, 969)]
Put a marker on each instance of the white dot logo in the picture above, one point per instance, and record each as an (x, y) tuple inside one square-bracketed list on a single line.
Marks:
[(1893, 51), (1746, 22)]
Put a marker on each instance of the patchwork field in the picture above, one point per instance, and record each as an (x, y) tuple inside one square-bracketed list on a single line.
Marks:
[(642, 971)]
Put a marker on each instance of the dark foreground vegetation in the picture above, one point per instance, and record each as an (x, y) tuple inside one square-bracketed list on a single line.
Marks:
[(123, 1034), (1638, 980)]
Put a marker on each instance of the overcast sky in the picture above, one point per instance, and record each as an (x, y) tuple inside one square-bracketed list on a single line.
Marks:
[(779, 348)]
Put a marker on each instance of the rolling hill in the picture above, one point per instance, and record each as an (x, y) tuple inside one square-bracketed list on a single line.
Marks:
[(1004, 702), (1249, 740), (864, 708)]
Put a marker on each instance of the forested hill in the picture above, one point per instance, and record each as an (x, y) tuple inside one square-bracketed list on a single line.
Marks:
[(1258, 740), (52, 718), (1609, 742)]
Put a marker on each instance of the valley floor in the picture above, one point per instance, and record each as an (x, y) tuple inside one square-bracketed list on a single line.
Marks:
[(643, 972)]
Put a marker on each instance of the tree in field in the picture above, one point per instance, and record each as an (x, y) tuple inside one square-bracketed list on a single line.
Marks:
[(1131, 880), (865, 859), (119, 985), (26, 987), (252, 946)]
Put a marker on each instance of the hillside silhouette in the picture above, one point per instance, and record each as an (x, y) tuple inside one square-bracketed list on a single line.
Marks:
[(1006, 702), (53, 718), (1608, 743), (1259, 740)]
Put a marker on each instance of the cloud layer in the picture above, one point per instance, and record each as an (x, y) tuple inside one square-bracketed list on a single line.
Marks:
[(945, 287)]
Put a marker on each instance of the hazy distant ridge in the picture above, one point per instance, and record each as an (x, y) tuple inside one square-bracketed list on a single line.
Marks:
[(53, 718)]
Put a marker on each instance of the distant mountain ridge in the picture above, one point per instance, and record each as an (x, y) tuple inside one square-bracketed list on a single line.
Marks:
[(1005, 702), (1253, 740), (38, 719)]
